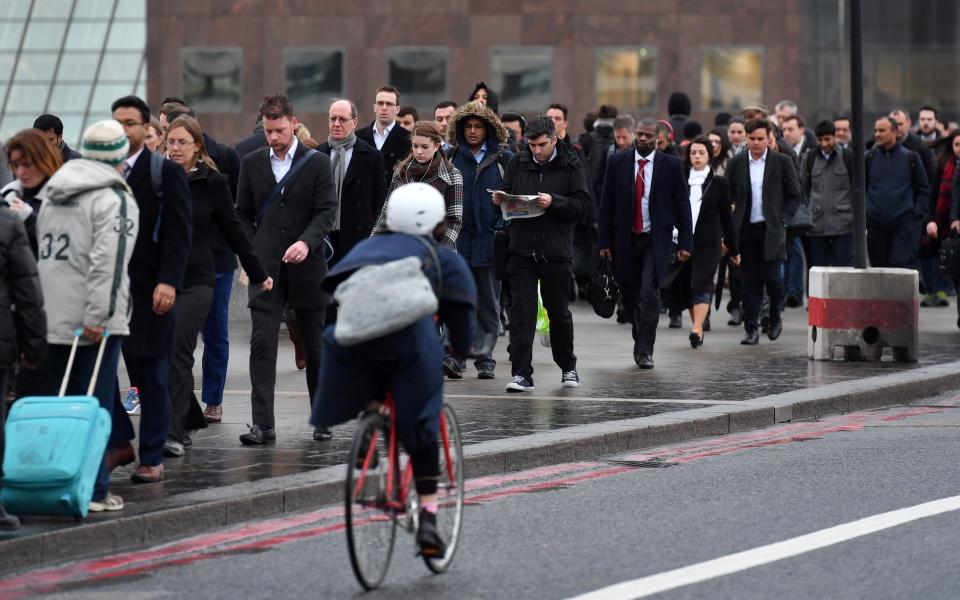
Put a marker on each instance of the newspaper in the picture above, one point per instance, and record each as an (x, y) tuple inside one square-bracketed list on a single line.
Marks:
[(517, 206)]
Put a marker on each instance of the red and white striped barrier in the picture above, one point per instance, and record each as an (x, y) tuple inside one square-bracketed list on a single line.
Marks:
[(861, 312)]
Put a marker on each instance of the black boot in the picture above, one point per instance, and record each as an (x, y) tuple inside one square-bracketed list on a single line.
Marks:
[(428, 538)]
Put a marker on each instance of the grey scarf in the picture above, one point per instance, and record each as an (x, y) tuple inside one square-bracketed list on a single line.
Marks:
[(338, 154)]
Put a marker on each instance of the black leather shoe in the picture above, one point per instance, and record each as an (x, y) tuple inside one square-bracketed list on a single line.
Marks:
[(676, 322), (644, 361), (258, 437), (736, 319), (752, 339), (322, 434), (774, 330), (794, 301), (695, 340)]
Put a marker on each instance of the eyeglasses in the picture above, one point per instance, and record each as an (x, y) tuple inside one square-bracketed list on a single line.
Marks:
[(340, 119), (171, 143), (384, 103), (130, 123)]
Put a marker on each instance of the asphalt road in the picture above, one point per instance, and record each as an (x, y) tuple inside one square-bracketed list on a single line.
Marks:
[(562, 531)]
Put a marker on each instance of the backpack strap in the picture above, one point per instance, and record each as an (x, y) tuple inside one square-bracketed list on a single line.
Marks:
[(432, 251), (156, 182)]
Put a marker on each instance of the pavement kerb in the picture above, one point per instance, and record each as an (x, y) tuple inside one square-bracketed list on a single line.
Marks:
[(204, 510)]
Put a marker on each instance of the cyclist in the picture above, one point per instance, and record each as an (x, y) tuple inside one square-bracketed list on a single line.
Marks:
[(406, 363)]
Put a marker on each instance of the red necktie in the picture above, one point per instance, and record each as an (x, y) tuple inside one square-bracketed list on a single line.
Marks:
[(638, 219)]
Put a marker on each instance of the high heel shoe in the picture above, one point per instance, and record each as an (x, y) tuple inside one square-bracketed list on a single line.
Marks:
[(695, 340)]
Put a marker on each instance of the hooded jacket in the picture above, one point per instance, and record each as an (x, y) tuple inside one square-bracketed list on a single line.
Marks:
[(86, 228), (481, 217), (493, 100)]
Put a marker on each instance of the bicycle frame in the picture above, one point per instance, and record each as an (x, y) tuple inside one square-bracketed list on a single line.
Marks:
[(398, 501)]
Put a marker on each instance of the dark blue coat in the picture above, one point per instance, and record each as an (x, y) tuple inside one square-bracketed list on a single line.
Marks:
[(669, 208), (481, 217), (407, 362)]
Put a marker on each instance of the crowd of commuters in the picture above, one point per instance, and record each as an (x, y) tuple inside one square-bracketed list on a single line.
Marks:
[(168, 213)]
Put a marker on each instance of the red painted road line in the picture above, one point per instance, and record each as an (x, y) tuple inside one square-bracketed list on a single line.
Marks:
[(196, 548)]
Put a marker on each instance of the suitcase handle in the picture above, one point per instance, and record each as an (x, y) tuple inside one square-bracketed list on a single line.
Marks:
[(73, 353)]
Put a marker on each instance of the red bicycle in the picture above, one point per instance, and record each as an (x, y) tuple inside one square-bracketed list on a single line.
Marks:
[(379, 494)]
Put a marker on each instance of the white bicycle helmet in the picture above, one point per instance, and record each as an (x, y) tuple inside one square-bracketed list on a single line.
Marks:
[(415, 208)]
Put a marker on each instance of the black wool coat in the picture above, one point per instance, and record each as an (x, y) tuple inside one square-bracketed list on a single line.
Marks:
[(304, 211), (395, 148)]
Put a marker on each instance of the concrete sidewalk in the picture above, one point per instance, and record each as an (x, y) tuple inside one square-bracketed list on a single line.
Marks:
[(718, 388)]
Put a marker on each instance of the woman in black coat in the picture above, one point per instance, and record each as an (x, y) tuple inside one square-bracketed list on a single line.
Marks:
[(713, 235), (212, 204)]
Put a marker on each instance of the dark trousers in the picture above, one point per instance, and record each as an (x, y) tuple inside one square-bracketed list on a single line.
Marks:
[(3, 416), (193, 304), (793, 269), (263, 351), (831, 250), (77, 384), (216, 341), (149, 374), (488, 312), (642, 300), (554, 278), (758, 274), (735, 282), (894, 245)]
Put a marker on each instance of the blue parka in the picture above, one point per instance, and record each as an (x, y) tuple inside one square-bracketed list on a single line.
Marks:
[(481, 217)]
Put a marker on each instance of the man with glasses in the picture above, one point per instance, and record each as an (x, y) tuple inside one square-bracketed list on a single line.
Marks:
[(360, 194), (390, 139), (156, 273)]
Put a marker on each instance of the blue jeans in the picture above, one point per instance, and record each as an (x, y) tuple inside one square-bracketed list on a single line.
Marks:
[(216, 342), (793, 276), (488, 313), (930, 275), (80, 376), (831, 250)]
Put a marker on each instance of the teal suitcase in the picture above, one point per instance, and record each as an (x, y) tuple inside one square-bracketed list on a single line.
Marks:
[(54, 448)]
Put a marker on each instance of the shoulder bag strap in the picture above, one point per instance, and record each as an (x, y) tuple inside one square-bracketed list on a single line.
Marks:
[(278, 189)]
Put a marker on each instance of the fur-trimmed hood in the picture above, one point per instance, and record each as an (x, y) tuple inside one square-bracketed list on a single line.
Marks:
[(474, 109)]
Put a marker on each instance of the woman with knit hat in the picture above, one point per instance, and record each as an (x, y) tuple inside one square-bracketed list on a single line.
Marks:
[(86, 231)]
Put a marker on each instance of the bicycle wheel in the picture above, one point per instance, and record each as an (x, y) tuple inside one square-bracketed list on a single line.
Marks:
[(449, 489), (371, 525)]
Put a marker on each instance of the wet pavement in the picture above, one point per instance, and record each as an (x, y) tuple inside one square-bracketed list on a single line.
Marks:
[(722, 371)]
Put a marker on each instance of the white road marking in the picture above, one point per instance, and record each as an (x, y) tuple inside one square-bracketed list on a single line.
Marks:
[(741, 561)]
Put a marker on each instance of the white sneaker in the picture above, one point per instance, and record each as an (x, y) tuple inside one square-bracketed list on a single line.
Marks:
[(111, 503)]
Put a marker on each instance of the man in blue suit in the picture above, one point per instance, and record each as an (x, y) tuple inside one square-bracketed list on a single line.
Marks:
[(644, 198)]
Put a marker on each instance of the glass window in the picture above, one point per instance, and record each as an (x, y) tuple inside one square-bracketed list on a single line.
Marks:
[(6, 65), (72, 129), (211, 79), (86, 36), (627, 77), (522, 76), (69, 97), (128, 35), (44, 36), (105, 93), (132, 9), (731, 77), (14, 123), (36, 67), (51, 9), (313, 76), (10, 32), (419, 73), (14, 10), (120, 66), (78, 66), (95, 9), (26, 97)]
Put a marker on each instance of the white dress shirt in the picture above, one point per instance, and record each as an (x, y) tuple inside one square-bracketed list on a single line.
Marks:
[(132, 160), (281, 167), (757, 168), (647, 183), (380, 138)]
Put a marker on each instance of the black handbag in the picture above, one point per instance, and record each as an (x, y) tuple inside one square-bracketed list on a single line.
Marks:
[(802, 220), (603, 291), (950, 257)]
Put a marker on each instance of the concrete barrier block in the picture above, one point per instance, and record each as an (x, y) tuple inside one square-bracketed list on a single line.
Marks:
[(856, 313)]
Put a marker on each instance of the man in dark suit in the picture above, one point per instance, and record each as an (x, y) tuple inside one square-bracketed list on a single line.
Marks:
[(52, 128), (355, 163), (644, 198), (384, 134), (766, 193), (287, 229), (156, 273)]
